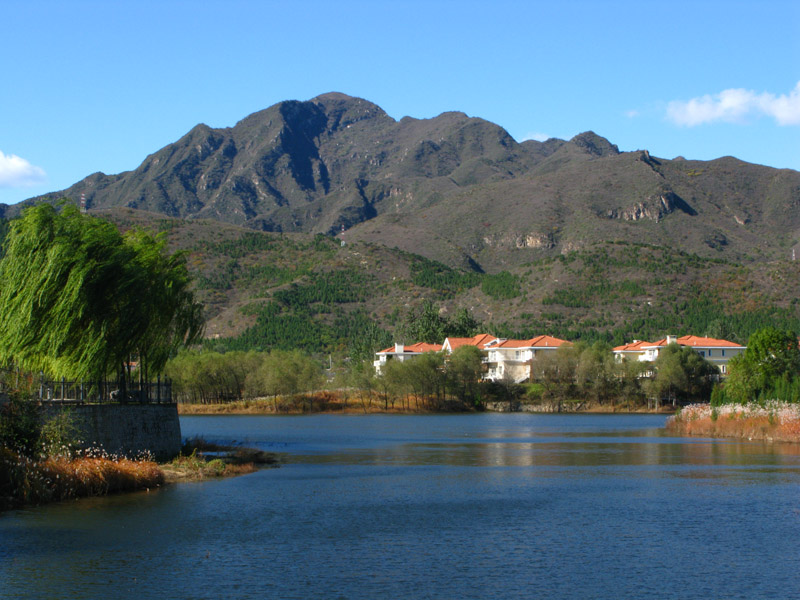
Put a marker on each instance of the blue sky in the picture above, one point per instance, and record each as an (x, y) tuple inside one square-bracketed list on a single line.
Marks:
[(98, 85)]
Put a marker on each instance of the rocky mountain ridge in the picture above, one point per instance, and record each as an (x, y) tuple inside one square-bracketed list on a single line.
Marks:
[(454, 188)]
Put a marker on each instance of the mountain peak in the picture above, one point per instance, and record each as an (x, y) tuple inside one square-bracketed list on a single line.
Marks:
[(333, 97), (595, 144)]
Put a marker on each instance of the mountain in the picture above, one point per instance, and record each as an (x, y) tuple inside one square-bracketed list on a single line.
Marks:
[(297, 290), (453, 188)]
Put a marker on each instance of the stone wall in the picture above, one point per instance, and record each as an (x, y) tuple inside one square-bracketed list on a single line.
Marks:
[(125, 429)]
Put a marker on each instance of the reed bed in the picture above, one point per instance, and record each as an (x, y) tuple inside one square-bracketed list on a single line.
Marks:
[(771, 421), (26, 481)]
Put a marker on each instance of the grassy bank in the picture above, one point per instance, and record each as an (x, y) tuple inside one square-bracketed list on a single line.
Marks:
[(25, 481), (774, 421), (29, 482)]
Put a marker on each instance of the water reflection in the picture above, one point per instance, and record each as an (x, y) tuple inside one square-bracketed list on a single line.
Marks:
[(462, 506)]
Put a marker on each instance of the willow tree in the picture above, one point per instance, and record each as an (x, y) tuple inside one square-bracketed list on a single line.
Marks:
[(78, 299)]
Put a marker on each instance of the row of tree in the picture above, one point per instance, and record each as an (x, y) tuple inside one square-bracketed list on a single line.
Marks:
[(439, 381), (584, 372), (214, 377), (432, 381)]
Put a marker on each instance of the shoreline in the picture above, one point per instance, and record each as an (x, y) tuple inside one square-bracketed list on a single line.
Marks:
[(772, 422), (262, 407)]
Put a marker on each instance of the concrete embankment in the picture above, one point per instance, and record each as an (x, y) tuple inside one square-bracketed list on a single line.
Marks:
[(124, 429)]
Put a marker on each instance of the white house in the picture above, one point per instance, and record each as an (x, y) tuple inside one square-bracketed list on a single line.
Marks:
[(633, 351), (402, 353), (504, 358), (511, 359), (717, 352)]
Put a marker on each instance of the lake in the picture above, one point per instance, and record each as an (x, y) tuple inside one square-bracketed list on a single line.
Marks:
[(435, 506)]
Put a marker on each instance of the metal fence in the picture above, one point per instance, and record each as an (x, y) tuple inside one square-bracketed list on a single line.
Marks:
[(100, 392)]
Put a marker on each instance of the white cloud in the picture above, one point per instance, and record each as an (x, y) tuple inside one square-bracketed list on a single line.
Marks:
[(735, 105), (18, 172), (632, 114), (539, 137)]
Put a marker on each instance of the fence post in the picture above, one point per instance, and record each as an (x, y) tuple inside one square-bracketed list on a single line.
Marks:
[(158, 389)]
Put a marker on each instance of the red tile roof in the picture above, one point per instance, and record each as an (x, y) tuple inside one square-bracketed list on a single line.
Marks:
[(637, 346), (699, 342), (479, 340), (540, 341), (419, 347)]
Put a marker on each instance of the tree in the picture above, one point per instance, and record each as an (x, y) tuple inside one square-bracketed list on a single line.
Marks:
[(680, 372), (464, 369), (770, 364), (463, 324), (555, 371), (430, 326), (425, 325), (79, 299), (596, 372), (773, 353)]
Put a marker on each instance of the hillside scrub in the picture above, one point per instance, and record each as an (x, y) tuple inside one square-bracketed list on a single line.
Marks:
[(610, 291)]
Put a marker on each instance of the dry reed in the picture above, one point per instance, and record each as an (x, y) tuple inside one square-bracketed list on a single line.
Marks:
[(772, 421), (26, 481)]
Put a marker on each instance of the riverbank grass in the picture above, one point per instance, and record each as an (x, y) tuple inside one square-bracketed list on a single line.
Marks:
[(27, 481), (771, 421)]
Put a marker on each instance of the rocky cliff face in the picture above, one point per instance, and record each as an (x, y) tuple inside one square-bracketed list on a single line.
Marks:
[(653, 208)]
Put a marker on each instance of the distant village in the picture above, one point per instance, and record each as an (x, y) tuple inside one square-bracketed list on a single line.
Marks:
[(512, 360)]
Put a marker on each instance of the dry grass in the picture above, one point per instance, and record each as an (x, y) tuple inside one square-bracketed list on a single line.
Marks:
[(775, 421), (320, 402), (26, 481)]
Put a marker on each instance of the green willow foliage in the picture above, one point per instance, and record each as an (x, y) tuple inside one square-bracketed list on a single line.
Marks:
[(78, 299)]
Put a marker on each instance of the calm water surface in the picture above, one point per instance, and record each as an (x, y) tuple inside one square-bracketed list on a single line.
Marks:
[(457, 506)]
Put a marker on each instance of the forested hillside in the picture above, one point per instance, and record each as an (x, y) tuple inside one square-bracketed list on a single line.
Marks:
[(269, 290)]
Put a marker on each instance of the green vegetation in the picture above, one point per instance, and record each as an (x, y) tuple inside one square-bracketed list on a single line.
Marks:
[(682, 374), (436, 276), (212, 377), (284, 291), (79, 299), (502, 286), (768, 370), (429, 325)]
